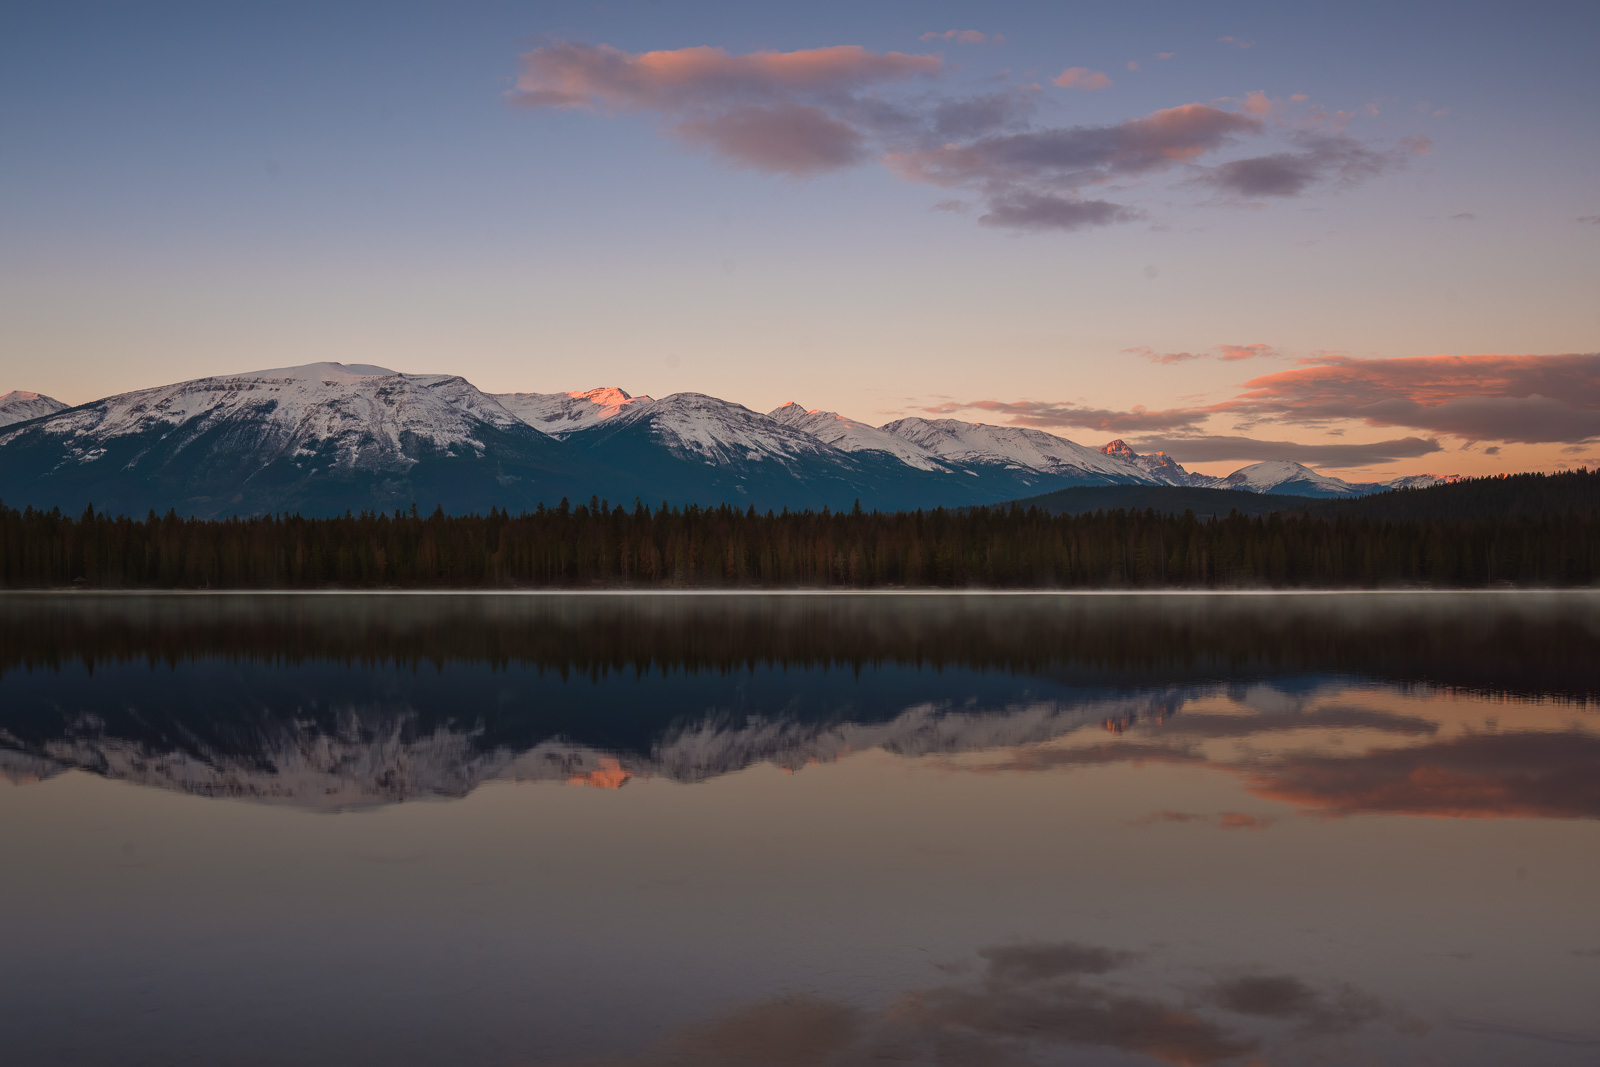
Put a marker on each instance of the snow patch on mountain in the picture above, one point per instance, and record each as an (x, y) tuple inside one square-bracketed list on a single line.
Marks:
[(721, 433), (20, 406), (848, 435), (560, 414)]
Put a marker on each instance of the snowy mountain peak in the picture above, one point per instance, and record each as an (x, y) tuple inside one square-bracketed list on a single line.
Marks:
[(20, 406), (1119, 448), (1286, 476), (560, 414)]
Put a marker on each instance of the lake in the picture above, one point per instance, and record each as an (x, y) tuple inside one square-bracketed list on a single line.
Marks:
[(806, 831)]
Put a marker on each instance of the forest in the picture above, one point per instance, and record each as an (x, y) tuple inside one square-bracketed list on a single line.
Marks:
[(601, 545)]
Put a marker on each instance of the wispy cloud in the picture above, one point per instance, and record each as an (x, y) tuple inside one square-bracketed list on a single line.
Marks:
[(812, 111), (568, 74), (1212, 448), (958, 36), (1225, 353), (1320, 159), (1235, 42), (1044, 415), (1081, 78)]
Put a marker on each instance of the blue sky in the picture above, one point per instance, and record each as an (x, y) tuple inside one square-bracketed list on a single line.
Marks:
[(193, 189)]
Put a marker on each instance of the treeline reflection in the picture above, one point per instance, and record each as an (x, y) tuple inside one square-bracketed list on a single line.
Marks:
[(1525, 645)]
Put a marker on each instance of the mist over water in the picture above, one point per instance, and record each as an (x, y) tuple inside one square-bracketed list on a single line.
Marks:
[(808, 830)]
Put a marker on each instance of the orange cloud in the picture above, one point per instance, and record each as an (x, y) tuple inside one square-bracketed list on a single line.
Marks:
[(1231, 353), (1082, 78)]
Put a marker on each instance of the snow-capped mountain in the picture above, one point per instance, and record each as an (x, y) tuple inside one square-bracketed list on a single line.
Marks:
[(560, 414), (1283, 476), (325, 437), (1035, 453), (20, 406), (321, 437), (848, 435)]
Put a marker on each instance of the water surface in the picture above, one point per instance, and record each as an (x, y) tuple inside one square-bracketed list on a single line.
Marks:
[(820, 830)]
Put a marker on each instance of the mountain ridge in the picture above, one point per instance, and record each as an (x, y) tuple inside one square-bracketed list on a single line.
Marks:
[(326, 437)]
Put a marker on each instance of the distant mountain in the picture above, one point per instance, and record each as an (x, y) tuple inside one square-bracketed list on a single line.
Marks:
[(1282, 476), (325, 438), (19, 406), (319, 438), (1029, 458)]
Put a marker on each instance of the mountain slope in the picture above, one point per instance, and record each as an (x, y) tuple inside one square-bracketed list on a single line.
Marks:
[(848, 435), (693, 448), (320, 438), (20, 406)]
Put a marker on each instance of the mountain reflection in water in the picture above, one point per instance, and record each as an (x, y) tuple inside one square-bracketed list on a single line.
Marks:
[(1020, 830), (334, 701)]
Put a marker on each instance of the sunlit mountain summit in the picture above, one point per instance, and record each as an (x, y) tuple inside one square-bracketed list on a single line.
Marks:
[(324, 438)]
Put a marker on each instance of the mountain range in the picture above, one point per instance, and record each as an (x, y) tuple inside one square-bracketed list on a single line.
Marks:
[(328, 437)]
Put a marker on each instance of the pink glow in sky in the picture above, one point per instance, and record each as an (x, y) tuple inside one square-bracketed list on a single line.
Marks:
[(1237, 244)]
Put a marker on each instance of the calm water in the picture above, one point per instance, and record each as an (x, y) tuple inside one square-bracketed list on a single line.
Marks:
[(803, 831)]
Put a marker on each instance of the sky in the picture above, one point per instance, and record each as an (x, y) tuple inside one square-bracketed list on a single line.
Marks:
[(1362, 236)]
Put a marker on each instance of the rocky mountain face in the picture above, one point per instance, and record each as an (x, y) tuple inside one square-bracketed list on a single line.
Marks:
[(326, 437)]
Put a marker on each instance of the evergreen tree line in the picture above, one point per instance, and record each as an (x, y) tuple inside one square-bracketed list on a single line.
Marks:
[(600, 545)]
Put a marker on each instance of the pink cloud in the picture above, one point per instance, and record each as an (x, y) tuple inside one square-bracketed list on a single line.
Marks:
[(1133, 64), (1144, 352), (1165, 55), (959, 36), (1257, 103), (568, 74), (1522, 398), (1236, 42), (809, 111), (1082, 78), (1225, 353), (784, 139)]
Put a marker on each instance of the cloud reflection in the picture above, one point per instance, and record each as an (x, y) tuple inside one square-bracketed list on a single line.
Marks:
[(1029, 999)]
